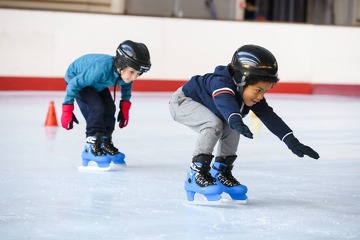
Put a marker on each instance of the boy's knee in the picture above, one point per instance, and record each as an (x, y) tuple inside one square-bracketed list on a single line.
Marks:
[(215, 125)]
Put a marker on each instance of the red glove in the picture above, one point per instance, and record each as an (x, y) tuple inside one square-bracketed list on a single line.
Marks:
[(123, 116), (68, 117)]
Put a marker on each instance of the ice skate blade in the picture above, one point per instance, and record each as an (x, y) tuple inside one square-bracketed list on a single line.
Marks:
[(219, 203), (204, 203), (235, 202), (117, 167), (92, 166)]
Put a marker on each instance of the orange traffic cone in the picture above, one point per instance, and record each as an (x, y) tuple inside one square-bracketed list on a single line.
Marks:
[(51, 116)]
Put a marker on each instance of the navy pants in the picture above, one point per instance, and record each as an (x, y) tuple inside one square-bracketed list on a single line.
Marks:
[(98, 109)]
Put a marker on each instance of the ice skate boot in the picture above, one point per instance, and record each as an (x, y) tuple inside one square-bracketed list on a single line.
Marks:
[(200, 181), (221, 171), (112, 152), (93, 156)]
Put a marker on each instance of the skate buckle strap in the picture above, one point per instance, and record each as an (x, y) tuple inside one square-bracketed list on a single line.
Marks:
[(196, 167), (223, 168), (204, 159), (90, 139)]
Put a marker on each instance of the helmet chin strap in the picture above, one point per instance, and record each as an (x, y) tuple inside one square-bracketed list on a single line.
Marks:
[(118, 70), (240, 85), (115, 85)]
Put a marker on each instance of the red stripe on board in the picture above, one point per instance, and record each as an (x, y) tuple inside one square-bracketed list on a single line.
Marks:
[(56, 84), (295, 88), (337, 89), (151, 85), (32, 83), (157, 85)]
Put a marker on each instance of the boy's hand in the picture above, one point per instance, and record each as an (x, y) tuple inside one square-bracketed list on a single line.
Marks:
[(301, 150), (123, 116), (68, 117), (298, 148), (237, 124)]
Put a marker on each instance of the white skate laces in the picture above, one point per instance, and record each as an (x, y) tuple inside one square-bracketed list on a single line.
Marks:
[(95, 146), (228, 179), (202, 176), (225, 176), (109, 147)]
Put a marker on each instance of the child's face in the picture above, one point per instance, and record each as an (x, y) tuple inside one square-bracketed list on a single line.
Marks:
[(253, 94), (129, 74)]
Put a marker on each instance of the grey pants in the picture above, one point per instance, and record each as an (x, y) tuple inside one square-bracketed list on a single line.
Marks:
[(212, 130)]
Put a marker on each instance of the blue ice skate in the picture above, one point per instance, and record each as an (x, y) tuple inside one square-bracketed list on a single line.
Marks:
[(92, 153), (112, 152), (221, 171), (200, 181)]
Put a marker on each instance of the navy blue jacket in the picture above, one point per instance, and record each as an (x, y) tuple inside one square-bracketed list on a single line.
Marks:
[(218, 92)]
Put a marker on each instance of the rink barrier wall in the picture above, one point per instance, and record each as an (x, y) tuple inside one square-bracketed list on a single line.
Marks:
[(153, 85), (180, 48)]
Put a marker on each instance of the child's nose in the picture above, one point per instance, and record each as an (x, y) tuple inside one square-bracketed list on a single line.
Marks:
[(260, 96), (133, 77)]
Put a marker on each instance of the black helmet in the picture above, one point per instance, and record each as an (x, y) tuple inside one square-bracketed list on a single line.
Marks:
[(133, 54), (253, 60)]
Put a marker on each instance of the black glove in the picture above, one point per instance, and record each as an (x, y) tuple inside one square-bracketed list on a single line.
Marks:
[(298, 148), (237, 124)]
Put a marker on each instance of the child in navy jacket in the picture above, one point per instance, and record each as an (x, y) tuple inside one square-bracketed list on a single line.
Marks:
[(214, 105)]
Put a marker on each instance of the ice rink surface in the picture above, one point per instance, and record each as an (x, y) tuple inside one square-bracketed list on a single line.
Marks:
[(44, 196)]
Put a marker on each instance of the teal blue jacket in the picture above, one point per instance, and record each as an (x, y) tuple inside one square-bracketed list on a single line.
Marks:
[(96, 71)]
